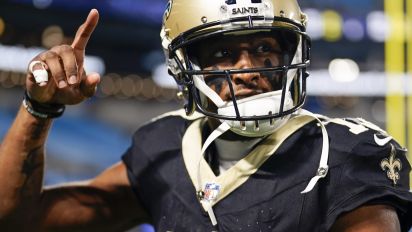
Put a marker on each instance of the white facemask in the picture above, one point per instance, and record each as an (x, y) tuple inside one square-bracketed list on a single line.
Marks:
[(257, 105)]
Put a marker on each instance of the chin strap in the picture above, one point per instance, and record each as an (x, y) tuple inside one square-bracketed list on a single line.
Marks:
[(323, 163), (206, 202), (206, 90)]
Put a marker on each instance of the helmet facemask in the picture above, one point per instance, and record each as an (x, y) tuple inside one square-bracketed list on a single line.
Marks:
[(277, 60)]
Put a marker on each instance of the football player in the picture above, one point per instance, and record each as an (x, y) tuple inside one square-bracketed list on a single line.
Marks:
[(241, 156)]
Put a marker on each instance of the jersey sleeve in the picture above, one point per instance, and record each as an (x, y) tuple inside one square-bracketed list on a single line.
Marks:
[(136, 161), (372, 174), (152, 156)]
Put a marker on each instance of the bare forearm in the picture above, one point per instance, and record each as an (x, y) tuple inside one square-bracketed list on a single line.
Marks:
[(21, 163)]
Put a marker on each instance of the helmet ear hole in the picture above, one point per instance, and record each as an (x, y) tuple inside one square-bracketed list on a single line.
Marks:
[(173, 75), (170, 72), (178, 77)]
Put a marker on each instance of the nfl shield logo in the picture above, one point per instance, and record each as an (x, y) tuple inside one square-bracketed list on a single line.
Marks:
[(211, 191)]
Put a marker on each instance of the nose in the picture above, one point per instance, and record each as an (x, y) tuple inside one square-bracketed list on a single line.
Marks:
[(245, 62)]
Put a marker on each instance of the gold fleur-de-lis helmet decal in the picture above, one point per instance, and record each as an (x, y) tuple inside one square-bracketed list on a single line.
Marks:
[(392, 166)]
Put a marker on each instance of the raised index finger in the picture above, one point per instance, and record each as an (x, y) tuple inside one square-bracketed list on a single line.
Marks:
[(85, 31)]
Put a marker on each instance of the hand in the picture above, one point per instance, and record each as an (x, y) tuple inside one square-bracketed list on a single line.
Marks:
[(68, 83)]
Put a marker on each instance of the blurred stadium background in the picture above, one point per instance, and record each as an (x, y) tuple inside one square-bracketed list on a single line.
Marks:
[(361, 67)]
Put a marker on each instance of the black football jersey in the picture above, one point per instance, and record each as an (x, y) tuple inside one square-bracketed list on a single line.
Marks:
[(262, 192)]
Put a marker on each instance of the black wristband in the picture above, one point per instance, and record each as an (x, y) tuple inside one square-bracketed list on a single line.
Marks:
[(42, 110)]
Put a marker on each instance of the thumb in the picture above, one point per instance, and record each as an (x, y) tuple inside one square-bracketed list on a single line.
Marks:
[(89, 85)]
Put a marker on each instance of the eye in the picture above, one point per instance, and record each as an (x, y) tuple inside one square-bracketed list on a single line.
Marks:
[(222, 53), (263, 48)]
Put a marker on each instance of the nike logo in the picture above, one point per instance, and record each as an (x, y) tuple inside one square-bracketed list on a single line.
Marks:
[(382, 142)]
